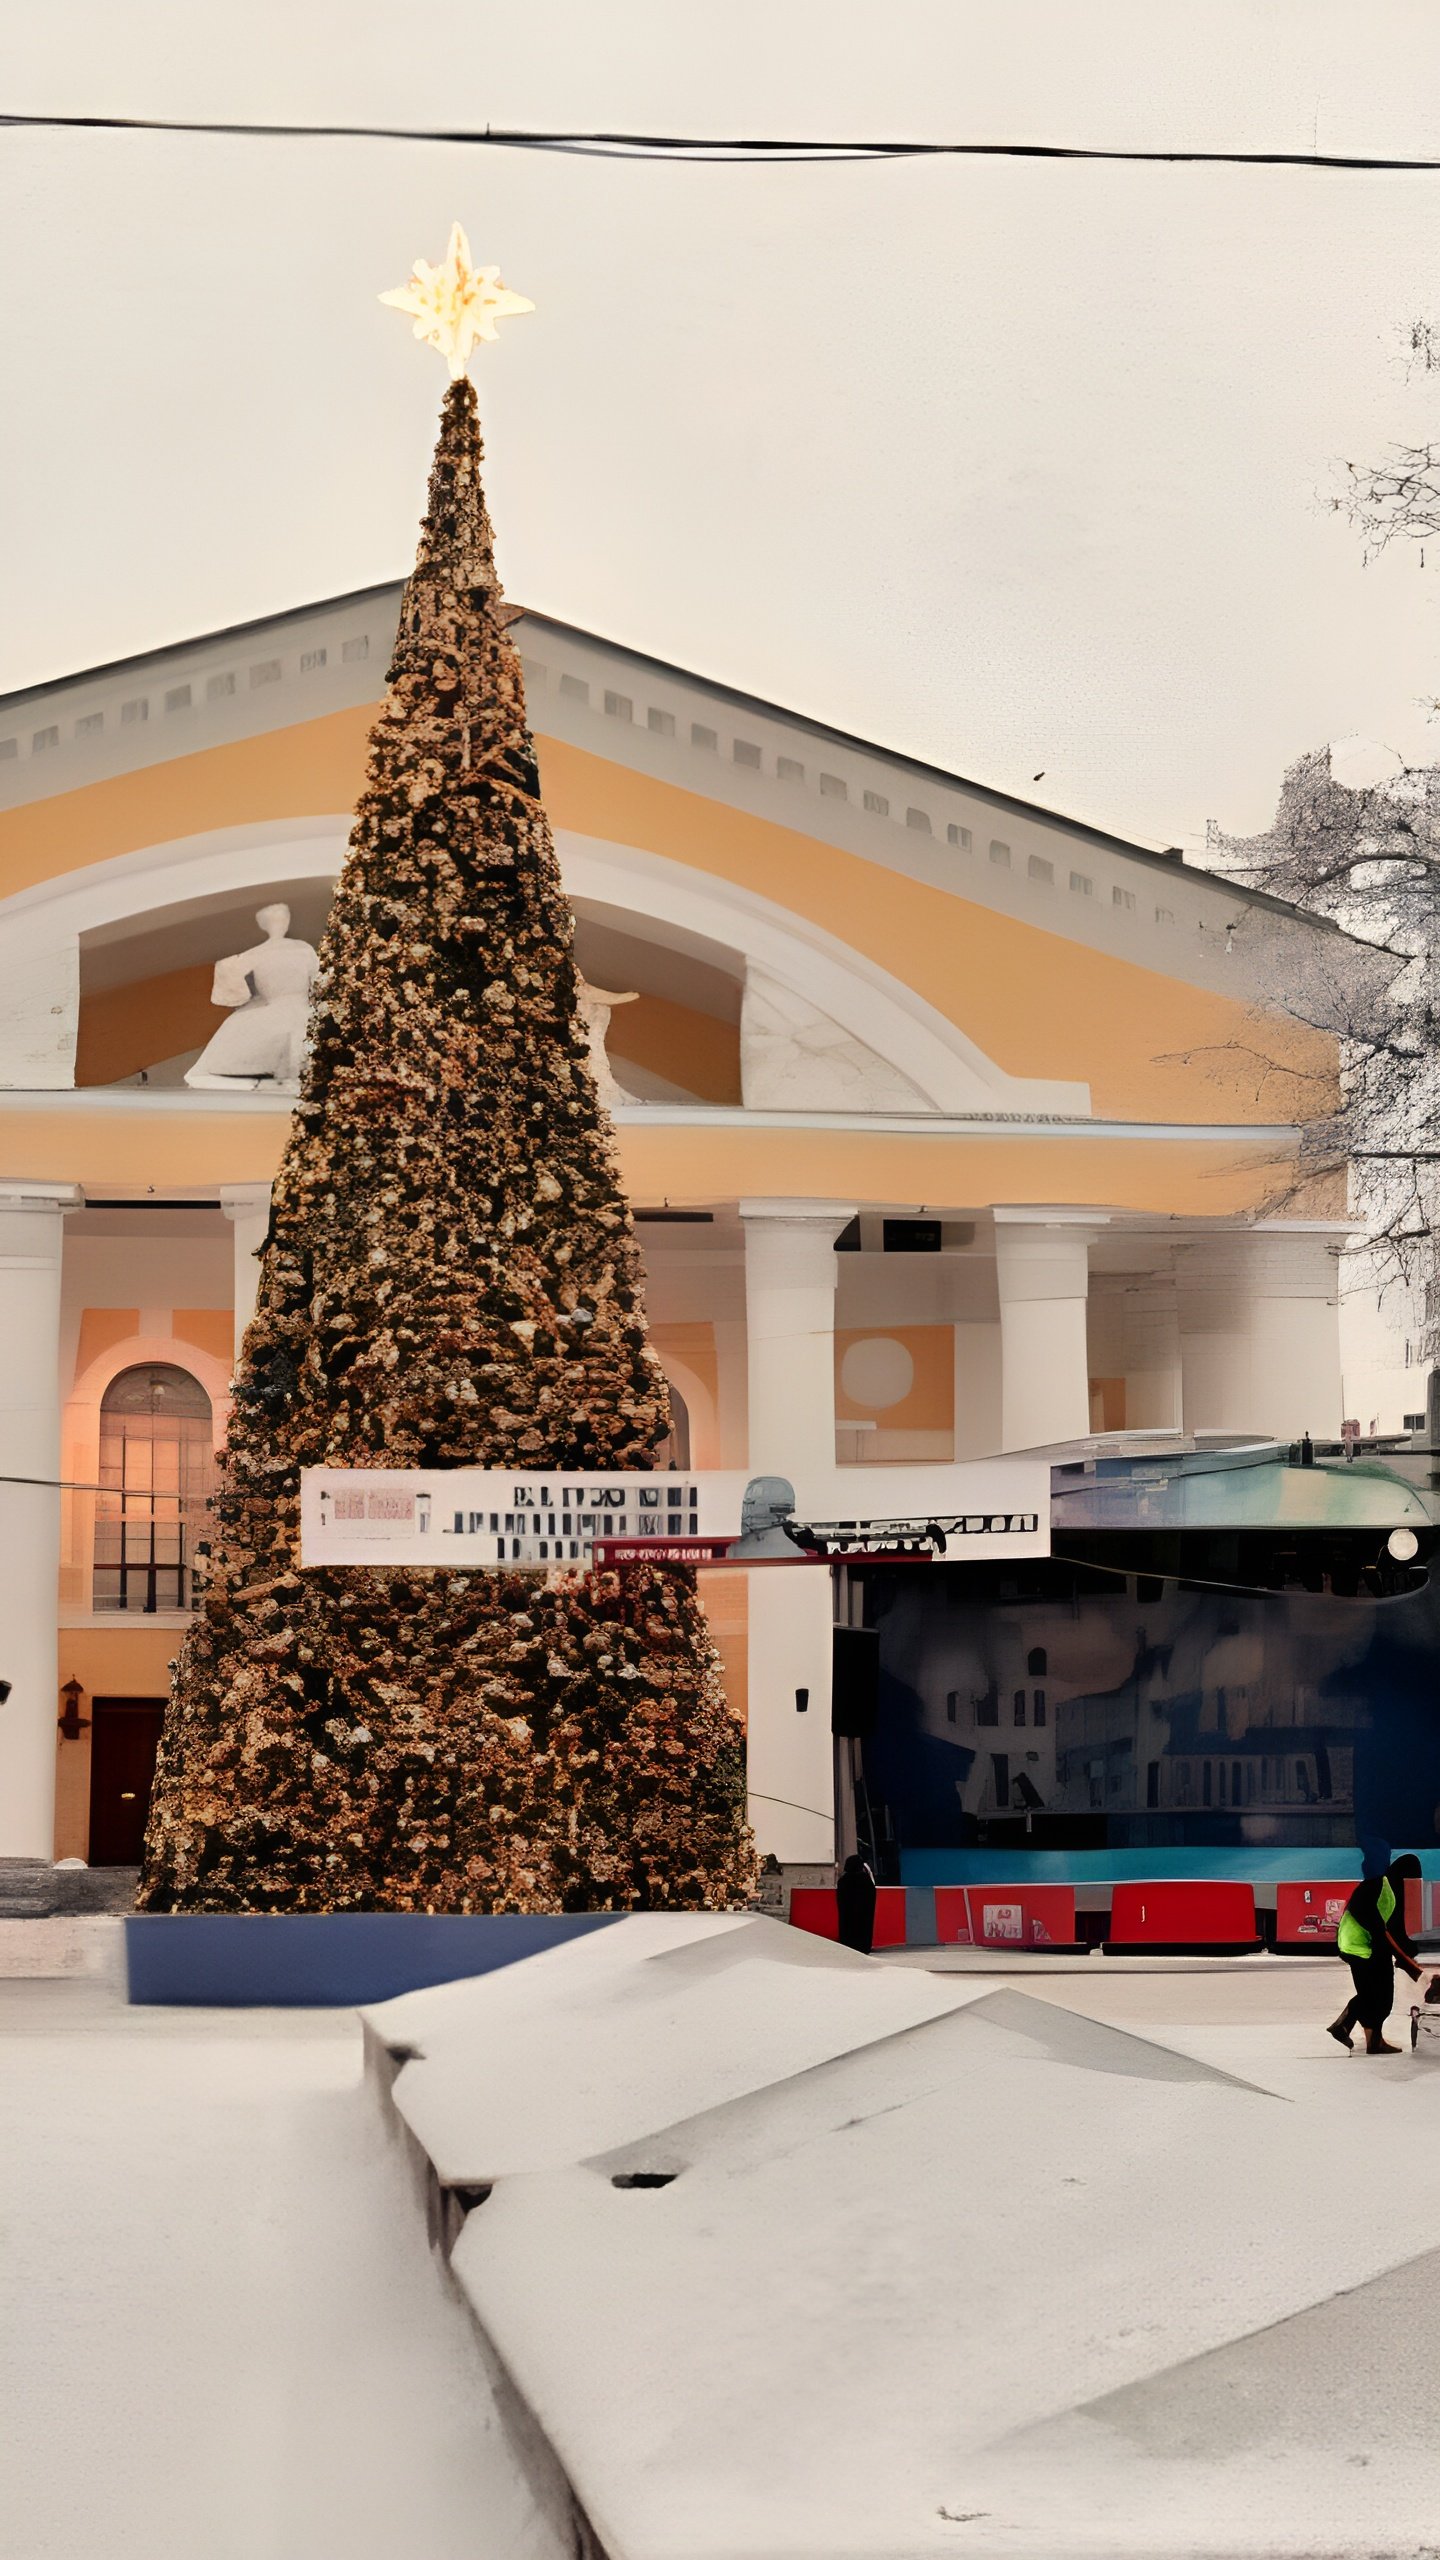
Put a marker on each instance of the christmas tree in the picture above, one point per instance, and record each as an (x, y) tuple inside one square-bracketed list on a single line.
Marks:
[(450, 1279)]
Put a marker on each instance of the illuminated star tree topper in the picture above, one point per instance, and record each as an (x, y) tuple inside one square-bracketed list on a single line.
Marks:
[(456, 303)]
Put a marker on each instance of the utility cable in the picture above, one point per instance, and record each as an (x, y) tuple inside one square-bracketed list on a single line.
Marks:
[(739, 150)]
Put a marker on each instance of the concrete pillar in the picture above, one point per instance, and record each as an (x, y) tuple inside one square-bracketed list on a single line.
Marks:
[(790, 1335), (1260, 1331), (31, 1226), (1150, 1337), (247, 1206), (790, 1276), (1042, 1268)]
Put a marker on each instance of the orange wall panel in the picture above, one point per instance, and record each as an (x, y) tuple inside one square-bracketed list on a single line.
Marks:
[(211, 1329), (691, 1049), (725, 1598), (695, 1166), (100, 1329), (930, 1402), (123, 1029)]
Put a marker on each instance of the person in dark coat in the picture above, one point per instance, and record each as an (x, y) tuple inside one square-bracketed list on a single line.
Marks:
[(855, 1902), (1373, 1939)]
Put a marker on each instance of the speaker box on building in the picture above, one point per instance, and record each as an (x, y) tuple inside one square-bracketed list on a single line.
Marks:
[(854, 1681)]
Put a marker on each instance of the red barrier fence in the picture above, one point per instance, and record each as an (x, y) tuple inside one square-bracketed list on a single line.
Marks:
[(1164, 1916), (1037, 1916), (814, 1907), (1183, 1918)]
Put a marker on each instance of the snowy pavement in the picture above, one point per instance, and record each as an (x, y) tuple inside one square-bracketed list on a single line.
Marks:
[(221, 2334)]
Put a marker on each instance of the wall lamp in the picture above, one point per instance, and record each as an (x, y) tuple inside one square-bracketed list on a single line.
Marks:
[(72, 1724)]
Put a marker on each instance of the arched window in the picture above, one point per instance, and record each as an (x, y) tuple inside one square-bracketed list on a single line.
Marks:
[(1038, 1662), (674, 1449), (156, 1472)]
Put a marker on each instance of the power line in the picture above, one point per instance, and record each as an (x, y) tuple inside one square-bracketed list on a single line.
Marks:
[(738, 150)]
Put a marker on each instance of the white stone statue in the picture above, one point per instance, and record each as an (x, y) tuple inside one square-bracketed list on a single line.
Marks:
[(596, 1006), (268, 992)]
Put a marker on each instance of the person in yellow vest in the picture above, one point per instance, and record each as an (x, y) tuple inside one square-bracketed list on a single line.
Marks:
[(1373, 1940)]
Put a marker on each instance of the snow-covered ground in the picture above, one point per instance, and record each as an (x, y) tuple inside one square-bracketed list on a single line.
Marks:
[(221, 2334), (1079, 2260)]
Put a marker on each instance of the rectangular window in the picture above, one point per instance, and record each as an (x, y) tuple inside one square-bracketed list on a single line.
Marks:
[(1414, 1422), (1122, 897), (745, 751), (44, 738), (574, 689), (832, 788), (662, 722), (919, 819), (1000, 853), (310, 659), (987, 1709), (268, 672), (1019, 1706), (959, 837), (1082, 884), (1039, 869), (952, 1706), (700, 736), (9, 746), (1164, 915), (178, 698), (354, 650), (619, 706), (217, 688), (130, 712), (87, 727), (1038, 1707), (877, 804), (790, 769)]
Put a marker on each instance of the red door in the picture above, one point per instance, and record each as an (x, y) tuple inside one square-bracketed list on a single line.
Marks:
[(124, 1738)]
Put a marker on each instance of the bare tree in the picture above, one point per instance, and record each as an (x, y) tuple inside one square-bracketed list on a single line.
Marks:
[(1367, 856), (1398, 498)]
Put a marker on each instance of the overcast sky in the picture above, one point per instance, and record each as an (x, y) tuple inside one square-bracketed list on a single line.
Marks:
[(1020, 467)]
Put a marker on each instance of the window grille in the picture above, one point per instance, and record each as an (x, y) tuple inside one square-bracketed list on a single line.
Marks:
[(156, 1472)]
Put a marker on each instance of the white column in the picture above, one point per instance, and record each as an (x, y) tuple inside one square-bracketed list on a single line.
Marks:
[(790, 1276), (31, 1226), (1042, 1269), (247, 1206), (1151, 1340), (1260, 1331)]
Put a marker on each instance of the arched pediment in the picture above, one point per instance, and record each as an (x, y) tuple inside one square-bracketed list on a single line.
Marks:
[(822, 1026)]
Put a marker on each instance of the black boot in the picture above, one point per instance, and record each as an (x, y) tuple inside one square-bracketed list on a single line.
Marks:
[(1344, 2025)]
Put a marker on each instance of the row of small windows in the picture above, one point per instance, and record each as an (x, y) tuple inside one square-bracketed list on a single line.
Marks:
[(181, 697)]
